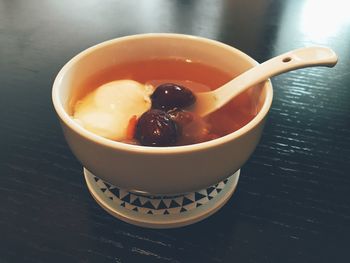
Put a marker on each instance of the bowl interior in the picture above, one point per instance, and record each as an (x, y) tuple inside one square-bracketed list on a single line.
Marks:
[(150, 46)]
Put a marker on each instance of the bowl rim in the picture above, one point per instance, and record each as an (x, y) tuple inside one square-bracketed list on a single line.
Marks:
[(68, 120)]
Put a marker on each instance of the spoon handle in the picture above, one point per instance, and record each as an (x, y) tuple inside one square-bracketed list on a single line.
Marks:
[(295, 59)]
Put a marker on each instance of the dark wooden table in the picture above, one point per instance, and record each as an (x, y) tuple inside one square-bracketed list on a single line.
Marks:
[(293, 199)]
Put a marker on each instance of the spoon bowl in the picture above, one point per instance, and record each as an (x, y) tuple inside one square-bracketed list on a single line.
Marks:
[(207, 102)]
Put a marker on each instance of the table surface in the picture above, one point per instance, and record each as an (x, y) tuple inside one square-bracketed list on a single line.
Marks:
[(293, 199)]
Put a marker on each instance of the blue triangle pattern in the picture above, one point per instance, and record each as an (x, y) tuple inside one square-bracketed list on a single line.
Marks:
[(186, 201), (107, 185), (198, 196), (174, 204), (175, 201), (210, 189), (149, 205), (126, 198), (162, 205), (115, 191), (183, 210), (137, 202)]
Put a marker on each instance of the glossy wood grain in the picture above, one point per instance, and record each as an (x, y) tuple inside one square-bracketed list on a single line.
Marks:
[(293, 199)]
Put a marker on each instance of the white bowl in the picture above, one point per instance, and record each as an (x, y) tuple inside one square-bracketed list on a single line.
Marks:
[(158, 170)]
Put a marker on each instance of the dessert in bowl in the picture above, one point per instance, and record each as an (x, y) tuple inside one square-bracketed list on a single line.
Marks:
[(178, 167)]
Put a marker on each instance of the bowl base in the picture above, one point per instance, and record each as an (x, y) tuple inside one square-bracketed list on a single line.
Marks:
[(160, 211)]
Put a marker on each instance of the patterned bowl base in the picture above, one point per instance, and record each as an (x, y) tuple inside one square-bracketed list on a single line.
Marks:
[(160, 211)]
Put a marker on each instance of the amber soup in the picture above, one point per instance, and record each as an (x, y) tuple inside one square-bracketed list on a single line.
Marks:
[(196, 76)]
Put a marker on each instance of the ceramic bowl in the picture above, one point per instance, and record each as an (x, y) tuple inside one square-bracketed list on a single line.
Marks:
[(159, 170)]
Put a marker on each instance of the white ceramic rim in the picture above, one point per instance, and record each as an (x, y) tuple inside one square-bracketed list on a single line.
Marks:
[(67, 119)]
